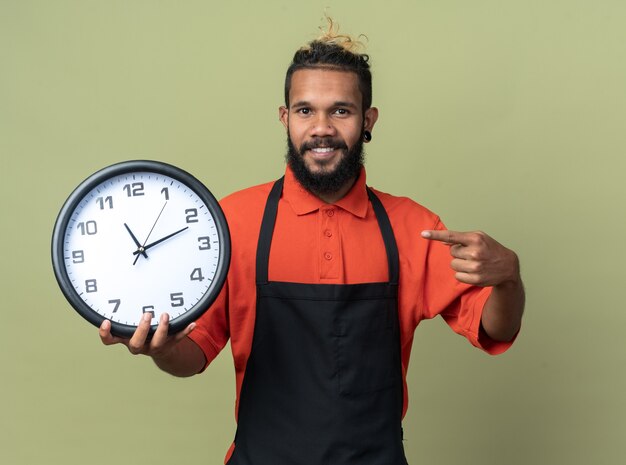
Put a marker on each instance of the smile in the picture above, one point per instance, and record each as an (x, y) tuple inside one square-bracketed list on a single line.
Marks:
[(323, 149)]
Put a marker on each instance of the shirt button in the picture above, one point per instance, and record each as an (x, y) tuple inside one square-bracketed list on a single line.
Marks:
[(330, 212), (328, 233), (328, 256)]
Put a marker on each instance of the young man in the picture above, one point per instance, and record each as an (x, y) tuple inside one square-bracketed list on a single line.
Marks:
[(327, 283)]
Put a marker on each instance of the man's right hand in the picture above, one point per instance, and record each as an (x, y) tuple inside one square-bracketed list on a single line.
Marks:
[(175, 354)]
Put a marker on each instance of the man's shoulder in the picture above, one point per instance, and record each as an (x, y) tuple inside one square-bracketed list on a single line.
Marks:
[(244, 208), (400, 206), (250, 196), (408, 218), (244, 211)]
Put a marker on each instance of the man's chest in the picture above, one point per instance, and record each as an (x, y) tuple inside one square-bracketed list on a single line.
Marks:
[(329, 246)]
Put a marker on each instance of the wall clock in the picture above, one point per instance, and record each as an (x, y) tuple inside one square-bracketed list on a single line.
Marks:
[(140, 237)]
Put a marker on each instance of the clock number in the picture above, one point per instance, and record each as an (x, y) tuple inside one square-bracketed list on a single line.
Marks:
[(148, 309), (105, 200), (192, 215), (205, 243), (91, 285), (166, 193), (134, 190), (196, 275), (177, 299), (78, 256), (90, 228), (115, 302)]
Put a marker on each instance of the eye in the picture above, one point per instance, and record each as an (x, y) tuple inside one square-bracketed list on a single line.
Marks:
[(342, 111), (303, 111)]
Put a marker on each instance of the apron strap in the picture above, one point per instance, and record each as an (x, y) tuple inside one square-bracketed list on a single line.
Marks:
[(267, 231), (269, 220), (388, 237)]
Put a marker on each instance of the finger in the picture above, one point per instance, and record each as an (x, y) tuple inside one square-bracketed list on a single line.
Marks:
[(185, 332), (105, 334), (459, 251), (138, 341), (470, 278), (466, 266), (467, 252), (449, 237), (160, 335)]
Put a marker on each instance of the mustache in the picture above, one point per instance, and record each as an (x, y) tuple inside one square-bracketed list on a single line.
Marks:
[(320, 142)]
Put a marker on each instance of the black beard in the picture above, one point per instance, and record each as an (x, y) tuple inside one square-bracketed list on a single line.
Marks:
[(324, 183)]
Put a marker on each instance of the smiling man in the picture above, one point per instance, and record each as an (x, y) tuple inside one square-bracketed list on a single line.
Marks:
[(328, 281), (326, 123)]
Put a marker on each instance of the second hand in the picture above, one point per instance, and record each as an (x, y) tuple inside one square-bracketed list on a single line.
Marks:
[(152, 229)]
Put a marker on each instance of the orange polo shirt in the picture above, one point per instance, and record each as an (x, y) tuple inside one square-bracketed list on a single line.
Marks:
[(319, 243)]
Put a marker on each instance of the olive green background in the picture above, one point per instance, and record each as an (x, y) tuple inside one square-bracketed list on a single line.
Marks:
[(505, 116)]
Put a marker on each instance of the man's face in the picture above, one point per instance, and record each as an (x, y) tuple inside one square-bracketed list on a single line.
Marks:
[(325, 125)]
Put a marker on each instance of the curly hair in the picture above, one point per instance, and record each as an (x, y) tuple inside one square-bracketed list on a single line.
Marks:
[(334, 51)]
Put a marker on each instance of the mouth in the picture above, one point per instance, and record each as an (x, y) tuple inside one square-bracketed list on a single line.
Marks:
[(322, 150), (323, 155)]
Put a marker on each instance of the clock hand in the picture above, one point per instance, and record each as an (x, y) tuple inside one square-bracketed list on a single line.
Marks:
[(155, 222), (135, 241), (152, 244), (142, 248)]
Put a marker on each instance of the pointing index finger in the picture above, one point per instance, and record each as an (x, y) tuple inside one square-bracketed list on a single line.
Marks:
[(448, 237)]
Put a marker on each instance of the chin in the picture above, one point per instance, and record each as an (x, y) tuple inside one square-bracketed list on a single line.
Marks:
[(321, 167)]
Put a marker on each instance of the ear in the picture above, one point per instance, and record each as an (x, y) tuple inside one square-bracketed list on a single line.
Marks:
[(370, 118), (283, 116)]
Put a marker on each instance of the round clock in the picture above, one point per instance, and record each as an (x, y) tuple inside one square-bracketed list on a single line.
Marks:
[(140, 237)]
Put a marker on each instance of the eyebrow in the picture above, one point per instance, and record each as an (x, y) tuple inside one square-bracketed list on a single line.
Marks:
[(338, 103)]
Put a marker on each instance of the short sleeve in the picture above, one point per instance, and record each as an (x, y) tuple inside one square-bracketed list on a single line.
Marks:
[(211, 332), (459, 304)]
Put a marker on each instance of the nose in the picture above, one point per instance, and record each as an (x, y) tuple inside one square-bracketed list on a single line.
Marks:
[(322, 127)]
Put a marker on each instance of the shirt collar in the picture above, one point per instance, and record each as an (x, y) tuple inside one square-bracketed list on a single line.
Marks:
[(303, 202)]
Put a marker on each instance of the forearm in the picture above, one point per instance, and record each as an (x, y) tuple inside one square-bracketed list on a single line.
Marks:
[(502, 314), (185, 359), (482, 261)]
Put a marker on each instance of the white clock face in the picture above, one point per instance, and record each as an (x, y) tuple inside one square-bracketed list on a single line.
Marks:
[(141, 242)]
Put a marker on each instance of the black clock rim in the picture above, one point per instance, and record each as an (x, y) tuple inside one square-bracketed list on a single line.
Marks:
[(179, 323)]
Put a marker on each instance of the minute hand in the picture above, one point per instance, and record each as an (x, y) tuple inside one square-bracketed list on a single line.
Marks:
[(152, 244)]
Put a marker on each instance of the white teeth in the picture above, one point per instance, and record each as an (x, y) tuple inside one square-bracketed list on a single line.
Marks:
[(323, 149)]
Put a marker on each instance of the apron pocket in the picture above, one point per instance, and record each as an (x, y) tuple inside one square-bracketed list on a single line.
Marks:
[(367, 347)]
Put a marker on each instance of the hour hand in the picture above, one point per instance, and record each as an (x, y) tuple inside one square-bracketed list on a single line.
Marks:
[(140, 249), (152, 244)]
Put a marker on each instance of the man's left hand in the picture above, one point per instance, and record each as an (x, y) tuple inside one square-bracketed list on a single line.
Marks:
[(477, 258)]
